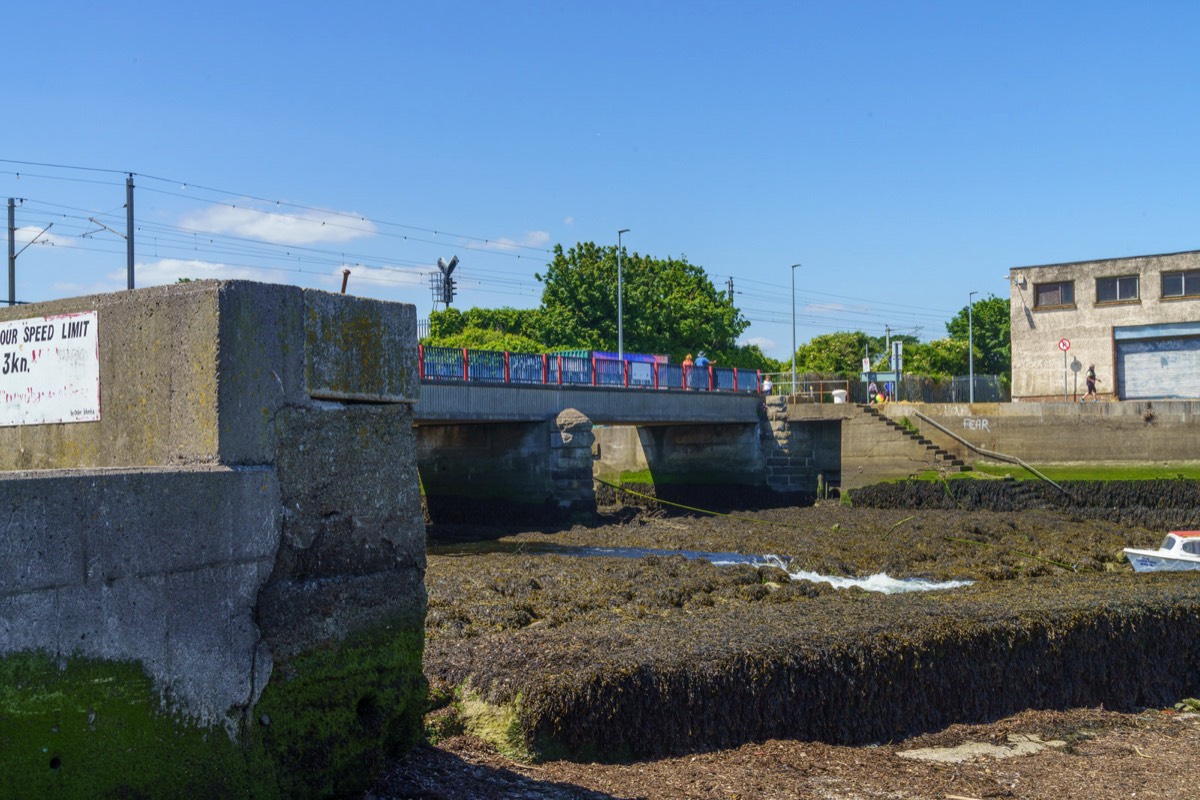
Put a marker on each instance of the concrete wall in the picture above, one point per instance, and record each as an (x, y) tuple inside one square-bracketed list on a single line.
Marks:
[(853, 448), (689, 454), (1064, 433), (764, 463), (1037, 363), (229, 555)]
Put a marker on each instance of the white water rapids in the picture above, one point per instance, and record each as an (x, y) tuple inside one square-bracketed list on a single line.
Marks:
[(879, 582)]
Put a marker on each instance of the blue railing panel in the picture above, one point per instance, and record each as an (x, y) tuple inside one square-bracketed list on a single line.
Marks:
[(670, 376), (525, 367), (443, 364), (575, 369), (609, 372), (485, 365)]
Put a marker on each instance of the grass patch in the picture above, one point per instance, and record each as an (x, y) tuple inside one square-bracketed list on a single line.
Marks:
[(1066, 472), (1096, 472), (498, 724)]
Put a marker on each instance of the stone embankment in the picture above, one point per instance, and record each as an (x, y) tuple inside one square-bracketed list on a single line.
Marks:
[(1156, 504)]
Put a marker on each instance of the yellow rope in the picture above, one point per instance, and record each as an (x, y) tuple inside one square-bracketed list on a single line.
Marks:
[(693, 508), (1058, 564)]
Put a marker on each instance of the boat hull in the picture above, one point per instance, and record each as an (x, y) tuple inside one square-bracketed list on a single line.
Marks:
[(1152, 561)]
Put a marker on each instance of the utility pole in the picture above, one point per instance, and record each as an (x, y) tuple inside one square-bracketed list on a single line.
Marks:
[(129, 227), (620, 302), (729, 288), (12, 250), (12, 253), (971, 348)]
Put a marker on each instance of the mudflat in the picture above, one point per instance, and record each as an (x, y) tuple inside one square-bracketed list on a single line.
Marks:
[(666, 676)]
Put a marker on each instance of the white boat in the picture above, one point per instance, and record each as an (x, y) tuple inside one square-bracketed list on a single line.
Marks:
[(1179, 551)]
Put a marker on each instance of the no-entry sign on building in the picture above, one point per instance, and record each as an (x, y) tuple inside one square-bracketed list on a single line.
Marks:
[(49, 370)]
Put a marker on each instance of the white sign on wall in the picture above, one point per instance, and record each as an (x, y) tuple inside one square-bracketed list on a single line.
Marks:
[(49, 370)]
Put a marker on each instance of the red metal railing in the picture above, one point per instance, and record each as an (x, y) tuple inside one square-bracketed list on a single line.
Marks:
[(493, 366)]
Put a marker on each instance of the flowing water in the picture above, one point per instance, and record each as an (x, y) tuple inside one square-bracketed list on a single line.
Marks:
[(879, 582)]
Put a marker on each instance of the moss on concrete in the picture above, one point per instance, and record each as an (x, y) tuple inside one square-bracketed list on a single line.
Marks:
[(88, 728), (329, 719), (326, 725)]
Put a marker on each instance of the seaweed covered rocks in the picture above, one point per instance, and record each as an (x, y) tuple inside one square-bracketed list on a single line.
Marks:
[(612, 658)]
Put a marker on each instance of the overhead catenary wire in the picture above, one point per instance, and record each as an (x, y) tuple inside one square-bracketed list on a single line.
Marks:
[(229, 251)]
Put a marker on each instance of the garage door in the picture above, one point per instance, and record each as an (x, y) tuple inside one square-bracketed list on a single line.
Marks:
[(1158, 367)]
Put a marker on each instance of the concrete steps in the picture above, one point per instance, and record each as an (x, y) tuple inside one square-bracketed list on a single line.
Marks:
[(944, 458)]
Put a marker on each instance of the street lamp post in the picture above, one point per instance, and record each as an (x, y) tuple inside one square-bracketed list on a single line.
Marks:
[(794, 328), (620, 302), (971, 344)]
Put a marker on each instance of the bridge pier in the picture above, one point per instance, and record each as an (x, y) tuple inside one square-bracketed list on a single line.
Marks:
[(710, 465), (497, 472)]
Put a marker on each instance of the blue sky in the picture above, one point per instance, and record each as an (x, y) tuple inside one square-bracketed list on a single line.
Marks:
[(904, 153)]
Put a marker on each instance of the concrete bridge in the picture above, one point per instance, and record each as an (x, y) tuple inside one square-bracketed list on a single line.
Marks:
[(494, 451), (505, 451), (520, 436)]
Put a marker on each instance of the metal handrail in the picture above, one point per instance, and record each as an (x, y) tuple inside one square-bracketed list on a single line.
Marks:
[(493, 366), (813, 391), (989, 453)]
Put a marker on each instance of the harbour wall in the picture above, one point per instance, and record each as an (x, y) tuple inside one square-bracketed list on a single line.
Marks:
[(1113, 433), (215, 586)]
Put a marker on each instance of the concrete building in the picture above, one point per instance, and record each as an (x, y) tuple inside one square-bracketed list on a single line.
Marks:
[(1136, 319)]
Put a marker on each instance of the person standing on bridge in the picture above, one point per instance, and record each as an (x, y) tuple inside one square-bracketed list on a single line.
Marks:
[(701, 371), (687, 371)]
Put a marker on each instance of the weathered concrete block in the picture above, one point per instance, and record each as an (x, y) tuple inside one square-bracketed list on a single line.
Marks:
[(358, 349), (128, 594), (157, 358), (260, 360), (238, 610)]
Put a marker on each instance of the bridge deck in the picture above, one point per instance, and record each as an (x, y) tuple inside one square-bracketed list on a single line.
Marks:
[(445, 402)]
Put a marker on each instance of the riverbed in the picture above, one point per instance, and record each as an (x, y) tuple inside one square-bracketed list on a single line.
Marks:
[(524, 617)]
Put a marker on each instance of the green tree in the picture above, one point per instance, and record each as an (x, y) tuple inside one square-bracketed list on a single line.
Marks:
[(670, 306), (834, 353), (940, 359), (991, 325), (487, 339), (520, 322), (746, 356)]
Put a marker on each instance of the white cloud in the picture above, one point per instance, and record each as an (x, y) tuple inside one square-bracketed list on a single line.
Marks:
[(834, 308), (23, 236), (530, 239), (170, 270), (569, 221), (298, 228), (376, 276), (763, 342)]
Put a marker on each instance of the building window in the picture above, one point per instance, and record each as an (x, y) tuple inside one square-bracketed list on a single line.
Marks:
[(1113, 290), (1047, 295), (1181, 284)]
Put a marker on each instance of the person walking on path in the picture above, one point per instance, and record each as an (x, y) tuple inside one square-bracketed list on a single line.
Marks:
[(1091, 384)]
